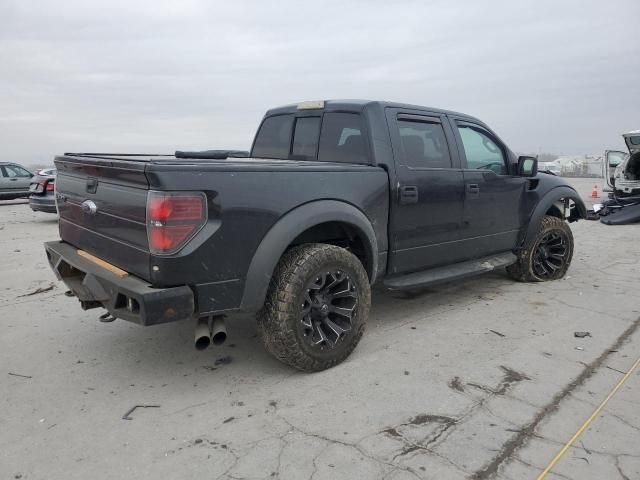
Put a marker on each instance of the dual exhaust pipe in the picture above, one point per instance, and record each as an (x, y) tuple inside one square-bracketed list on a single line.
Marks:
[(210, 330)]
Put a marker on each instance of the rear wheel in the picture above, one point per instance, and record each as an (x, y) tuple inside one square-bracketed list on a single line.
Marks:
[(316, 307), (547, 255)]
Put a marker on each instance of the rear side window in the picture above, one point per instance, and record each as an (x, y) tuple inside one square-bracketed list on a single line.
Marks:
[(273, 138), (305, 138), (424, 145), (342, 139)]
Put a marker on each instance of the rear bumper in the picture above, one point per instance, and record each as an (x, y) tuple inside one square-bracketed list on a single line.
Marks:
[(46, 203), (628, 186), (129, 298)]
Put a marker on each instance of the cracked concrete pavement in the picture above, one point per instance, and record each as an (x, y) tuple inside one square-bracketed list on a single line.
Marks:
[(478, 379)]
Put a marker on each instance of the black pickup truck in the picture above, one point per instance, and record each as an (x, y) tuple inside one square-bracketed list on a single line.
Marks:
[(333, 197)]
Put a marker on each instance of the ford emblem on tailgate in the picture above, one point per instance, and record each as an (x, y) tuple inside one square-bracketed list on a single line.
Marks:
[(88, 206)]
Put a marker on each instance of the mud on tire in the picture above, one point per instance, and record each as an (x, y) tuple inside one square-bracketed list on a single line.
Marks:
[(547, 255), (316, 307)]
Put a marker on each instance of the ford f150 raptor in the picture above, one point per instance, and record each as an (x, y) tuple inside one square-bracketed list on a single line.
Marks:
[(333, 197)]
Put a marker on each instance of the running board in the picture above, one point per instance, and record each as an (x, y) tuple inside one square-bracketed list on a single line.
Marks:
[(450, 272)]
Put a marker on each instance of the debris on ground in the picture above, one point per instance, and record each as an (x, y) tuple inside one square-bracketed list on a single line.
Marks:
[(616, 211), (127, 416), (497, 333), (580, 348), (226, 360), (582, 334), (456, 384), (38, 290), (19, 375)]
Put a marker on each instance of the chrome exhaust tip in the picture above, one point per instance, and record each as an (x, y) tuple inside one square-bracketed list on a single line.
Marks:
[(218, 331), (202, 334)]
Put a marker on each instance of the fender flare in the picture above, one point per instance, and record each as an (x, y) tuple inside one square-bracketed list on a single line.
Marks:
[(286, 229), (546, 202)]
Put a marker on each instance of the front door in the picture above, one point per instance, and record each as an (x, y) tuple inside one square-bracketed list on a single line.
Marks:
[(493, 209), (427, 208)]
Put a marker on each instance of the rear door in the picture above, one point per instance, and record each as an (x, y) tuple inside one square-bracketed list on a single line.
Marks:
[(612, 159), (493, 214), (428, 204)]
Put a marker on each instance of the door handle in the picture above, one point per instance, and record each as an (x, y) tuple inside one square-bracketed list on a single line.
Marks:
[(13, 179), (473, 190), (408, 195)]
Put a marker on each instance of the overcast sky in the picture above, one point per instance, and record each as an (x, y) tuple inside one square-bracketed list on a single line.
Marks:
[(153, 76)]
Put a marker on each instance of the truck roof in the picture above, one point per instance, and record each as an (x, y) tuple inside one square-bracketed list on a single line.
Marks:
[(359, 105)]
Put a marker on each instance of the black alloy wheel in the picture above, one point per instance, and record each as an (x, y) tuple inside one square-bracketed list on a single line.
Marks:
[(551, 254), (328, 309)]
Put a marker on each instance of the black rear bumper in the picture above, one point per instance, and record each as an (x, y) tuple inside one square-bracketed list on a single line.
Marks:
[(44, 203), (129, 297)]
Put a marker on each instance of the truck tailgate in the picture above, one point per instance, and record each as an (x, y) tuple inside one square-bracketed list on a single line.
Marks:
[(102, 207)]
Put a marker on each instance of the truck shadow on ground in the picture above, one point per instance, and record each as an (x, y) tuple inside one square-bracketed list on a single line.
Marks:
[(169, 347)]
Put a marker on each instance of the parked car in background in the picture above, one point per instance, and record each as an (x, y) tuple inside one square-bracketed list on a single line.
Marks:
[(622, 169), (42, 188), (14, 181), (45, 171)]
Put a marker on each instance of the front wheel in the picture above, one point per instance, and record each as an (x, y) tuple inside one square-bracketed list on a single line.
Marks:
[(316, 307), (547, 255)]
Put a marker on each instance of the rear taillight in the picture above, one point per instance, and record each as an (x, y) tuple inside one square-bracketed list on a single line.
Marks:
[(173, 218), (51, 186)]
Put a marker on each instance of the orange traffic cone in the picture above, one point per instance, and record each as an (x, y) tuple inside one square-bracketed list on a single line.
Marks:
[(594, 193)]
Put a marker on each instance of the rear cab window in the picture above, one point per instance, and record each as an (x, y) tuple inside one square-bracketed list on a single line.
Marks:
[(342, 139), (274, 137), (330, 137)]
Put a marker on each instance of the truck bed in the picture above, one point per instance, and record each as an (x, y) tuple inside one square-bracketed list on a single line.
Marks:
[(243, 195)]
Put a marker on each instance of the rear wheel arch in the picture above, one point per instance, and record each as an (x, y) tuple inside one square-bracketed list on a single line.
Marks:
[(315, 222)]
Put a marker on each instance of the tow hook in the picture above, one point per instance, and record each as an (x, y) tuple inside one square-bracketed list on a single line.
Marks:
[(106, 318)]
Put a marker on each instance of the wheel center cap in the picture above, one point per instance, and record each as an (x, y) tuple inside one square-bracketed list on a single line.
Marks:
[(324, 308)]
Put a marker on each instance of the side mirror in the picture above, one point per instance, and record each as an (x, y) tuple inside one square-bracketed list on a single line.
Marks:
[(527, 166)]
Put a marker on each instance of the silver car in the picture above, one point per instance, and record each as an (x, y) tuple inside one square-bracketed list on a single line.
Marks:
[(14, 181)]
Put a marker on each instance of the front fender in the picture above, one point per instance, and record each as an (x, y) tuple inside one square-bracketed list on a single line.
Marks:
[(546, 202), (280, 236)]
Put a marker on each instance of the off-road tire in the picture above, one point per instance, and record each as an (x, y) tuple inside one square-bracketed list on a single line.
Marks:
[(278, 320), (523, 270)]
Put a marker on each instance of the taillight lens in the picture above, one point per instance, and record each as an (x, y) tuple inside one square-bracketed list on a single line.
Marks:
[(173, 218), (51, 186)]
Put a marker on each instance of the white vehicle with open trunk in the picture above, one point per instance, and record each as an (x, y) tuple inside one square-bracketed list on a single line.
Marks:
[(622, 169)]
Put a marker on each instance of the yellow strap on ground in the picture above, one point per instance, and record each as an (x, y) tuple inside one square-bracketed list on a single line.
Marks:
[(586, 424)]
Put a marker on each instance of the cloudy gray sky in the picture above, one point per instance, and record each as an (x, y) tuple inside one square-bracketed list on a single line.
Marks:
[(155, 76)]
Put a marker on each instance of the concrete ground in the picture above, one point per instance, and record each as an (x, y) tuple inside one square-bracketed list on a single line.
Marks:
[(478, 379)]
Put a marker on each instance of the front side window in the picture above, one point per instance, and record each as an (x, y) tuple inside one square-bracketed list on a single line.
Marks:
[(481, 151), (273, 138), (424, 145), (342, 139), (305, 138)]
